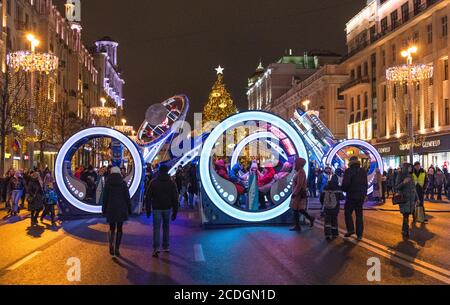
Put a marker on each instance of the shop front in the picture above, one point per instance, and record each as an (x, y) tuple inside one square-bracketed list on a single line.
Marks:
[(434, 150)]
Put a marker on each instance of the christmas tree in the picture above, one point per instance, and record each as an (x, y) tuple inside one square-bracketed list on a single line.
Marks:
[(220, 105)]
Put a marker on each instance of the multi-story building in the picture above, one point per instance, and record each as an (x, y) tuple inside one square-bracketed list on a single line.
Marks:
[(378, 109), (267, 85), (320, 93), (78, 84)]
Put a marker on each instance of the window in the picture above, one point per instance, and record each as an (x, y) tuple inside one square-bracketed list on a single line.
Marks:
[(352, 74), (384, 25), (358, 106), (416, 37), (446, 69), (366, 100), (358, 72), (366, 69), (383, 57), (384, 92), (373, 32), (405, 12), (8, 7), (417, 6), (444, 21), (394, 19), (430, 33), (353, 104), (432, 115)]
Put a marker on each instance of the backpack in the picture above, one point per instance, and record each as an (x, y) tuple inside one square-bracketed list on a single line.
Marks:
[(329, 200)]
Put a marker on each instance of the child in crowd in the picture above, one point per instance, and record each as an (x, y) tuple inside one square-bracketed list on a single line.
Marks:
[(50, 200)]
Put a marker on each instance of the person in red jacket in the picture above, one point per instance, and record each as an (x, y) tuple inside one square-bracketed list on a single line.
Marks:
[(265, 179)]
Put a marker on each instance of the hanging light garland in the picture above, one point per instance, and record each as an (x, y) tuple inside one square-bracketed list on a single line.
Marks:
[(124, 129), (413, 73), (103, 111), (28, 61)]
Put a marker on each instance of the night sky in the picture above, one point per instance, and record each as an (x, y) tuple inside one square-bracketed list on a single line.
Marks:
[(171, 47)]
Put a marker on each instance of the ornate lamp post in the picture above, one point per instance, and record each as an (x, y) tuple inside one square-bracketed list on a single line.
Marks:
[(409, 74), (126, 129), (32, 62), (103, 111)]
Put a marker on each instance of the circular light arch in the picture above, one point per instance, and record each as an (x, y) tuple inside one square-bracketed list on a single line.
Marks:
[(204, 166), (356, 143), (89, 134)]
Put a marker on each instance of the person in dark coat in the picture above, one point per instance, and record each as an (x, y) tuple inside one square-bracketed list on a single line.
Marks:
[(332, 195), (300, 196), (161, 198), (193, 185), (36, 197), (355, 185), (116, 207), (406, 187)]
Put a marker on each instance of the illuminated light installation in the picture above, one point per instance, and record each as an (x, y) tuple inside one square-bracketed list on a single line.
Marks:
[(70, 147), (330, 156), (210, 181), (103, 111), (33, 62)]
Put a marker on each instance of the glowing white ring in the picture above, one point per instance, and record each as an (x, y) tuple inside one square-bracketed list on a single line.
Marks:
[(205, 156), (246, 141), (92, 132), (330, 156)]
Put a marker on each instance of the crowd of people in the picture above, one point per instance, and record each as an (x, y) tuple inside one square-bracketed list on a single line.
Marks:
[(34, 188)]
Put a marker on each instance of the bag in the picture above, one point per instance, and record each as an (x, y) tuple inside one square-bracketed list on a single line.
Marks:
[(398, 199), (420, 214), (330, 200)]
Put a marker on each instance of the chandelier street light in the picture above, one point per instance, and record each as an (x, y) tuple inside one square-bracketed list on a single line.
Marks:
[(103, 111), (32, 61), (124, 128), (410, 74), (306, 104)]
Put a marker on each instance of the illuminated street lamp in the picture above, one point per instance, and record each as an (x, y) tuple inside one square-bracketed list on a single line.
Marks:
[(124, 128), (103, 111), (410, 74), (306, 104)]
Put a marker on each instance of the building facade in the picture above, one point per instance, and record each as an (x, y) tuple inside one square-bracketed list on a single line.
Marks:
[(378, 109), (77, 85), (267, 85), (320, 93)]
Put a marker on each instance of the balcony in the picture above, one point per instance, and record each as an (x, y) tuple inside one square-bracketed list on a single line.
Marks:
[(374, 37), (364, 80)]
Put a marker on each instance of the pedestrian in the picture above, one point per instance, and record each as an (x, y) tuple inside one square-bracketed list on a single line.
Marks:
[(300, 196), (192, 185), (407, 190), (90, 177), (420, 181), (116, 207), (377, 186), (16, 187), (36, 197), (447, 183), (390, 182), (161, 199), (330, 199), (384, 187), (312, 181), (439, 182), (355, 186), (430, 185), (50, 200)]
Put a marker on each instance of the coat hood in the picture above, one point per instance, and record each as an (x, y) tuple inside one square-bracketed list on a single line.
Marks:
[(299, 163)]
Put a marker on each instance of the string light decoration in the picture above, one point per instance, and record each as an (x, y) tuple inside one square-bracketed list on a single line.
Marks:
[(126, 129), (103, 111), (220, 105), (409, 75), (33, 62)]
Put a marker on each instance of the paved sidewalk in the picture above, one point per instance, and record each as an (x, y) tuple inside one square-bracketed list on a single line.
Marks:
[(435, 207)]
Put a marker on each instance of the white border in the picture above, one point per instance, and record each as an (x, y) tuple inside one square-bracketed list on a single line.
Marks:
[(92, 132)]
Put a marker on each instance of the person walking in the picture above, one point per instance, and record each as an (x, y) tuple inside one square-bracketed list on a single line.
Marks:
[(312, 181), (420, 181), (377, 186), (390, 182), (17, 187), (300, 195), (36, 197), (330, 199), (439, 182), (430, 185), (406, 188), (161, 199), (116, 207), (50, 200), (355, 185)]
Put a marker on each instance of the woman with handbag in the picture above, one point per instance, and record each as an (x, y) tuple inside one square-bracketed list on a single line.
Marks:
[(407, 196), (299, 195)]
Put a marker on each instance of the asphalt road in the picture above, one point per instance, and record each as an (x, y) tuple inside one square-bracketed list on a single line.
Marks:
[(245, 255)]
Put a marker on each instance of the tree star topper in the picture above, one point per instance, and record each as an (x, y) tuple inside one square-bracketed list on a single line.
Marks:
[(219, 70)]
